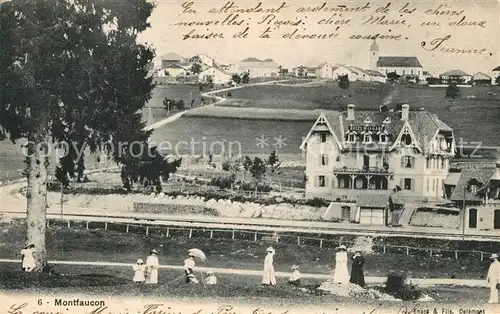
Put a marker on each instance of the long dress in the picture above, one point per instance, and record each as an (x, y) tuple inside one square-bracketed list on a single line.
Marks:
[(152, 269), (28, 262), (268, 278), (493, 279), (357, 275), (341, 274), (139, 273), (189, 270)]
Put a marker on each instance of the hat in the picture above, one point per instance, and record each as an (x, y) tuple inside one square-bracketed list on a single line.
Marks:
[(295, 267), (342, 247), (494, 256), (154, 251), (270, 250), (140, 261), (210, 273)]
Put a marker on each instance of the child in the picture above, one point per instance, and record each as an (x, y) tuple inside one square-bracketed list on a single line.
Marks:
[(139, 272), (211, 279), (295, 277), (189, 269), (28, 260)]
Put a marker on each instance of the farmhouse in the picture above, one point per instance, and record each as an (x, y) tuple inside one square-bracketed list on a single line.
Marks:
[(303, 71), (170, 58), (204, 59), (352, 153), (496, 73), (455, 76), (259, 68), (174, 70), (324, 70), (358, 74), (399, 65), (481, 79), (215, 74)]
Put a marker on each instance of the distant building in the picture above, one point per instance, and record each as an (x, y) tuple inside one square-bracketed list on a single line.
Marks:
[(481, 79), (400, 65), (495, 73), (259, 68), (357, 74), (324, 70), (352, 153), (303, 71), (174, 70), (203, 59), (230, 68), (455, 76), (169, 58), (217, 75)]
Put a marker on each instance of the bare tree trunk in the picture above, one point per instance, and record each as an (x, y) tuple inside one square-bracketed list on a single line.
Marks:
[(37, 162)]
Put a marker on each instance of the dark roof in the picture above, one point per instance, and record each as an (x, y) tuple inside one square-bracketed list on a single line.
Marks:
[(455, 73), (251, 59), (405, 62), (497, 68), (374, 73), (268, 60), (481, 175), (373, 200)]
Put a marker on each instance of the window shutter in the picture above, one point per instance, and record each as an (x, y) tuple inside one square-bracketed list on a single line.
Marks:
[(413, 162), (402, 161), (412, 183), (327, 183), (402, 183), (326, 160), (316, 179)]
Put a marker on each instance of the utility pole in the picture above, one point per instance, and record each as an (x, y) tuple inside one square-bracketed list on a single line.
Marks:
[(463, 213), (62, 199)]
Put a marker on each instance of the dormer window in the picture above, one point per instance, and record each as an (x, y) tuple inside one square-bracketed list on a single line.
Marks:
[(367, 138), (406, 137), (473, 188), (368, 120), (383, 138), (387, 120), (322, 137)]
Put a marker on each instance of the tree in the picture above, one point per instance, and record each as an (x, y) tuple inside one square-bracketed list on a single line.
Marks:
[(258, 168), (393, 76), (196, 68), (236, 78), (63, 68), (195, 59), (273, 162), (497, 80), (452, 91), (246, 78), (180, 105), (344, 81)]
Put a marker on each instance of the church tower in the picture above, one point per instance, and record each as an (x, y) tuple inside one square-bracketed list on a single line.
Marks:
[(373, 56)]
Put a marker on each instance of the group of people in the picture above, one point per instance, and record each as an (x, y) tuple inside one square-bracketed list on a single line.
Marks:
[(340, 276)]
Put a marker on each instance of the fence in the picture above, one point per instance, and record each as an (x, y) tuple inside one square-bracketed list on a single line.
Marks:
[(321, 241)]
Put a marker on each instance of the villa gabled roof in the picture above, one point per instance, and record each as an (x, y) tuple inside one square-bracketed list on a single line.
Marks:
[(481, 76), (251, 59), (482, 175), (403, 62), (374, 200), (455, 73), (496, 69)]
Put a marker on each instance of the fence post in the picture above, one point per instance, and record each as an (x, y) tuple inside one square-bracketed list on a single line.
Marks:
[(127, 228), (456, 254), (106, 225), (407, 250), (211, 234), (147, 230), (190, 233), (298, 240), (87, 225), (320, 243), (168, 231), (69, 224), (482, 256), (384, 249), (430, 253), (47, 223), (233, 235), (255, 237)]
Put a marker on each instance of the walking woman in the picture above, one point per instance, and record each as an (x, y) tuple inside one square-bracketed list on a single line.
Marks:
[(493, 278), (341, 274), (268, 279), (152, 265)]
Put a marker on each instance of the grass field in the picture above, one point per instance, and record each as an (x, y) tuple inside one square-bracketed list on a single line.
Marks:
[(114, 246)]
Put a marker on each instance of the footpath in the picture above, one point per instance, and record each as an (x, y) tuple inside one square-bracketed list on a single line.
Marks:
[(247, 272)]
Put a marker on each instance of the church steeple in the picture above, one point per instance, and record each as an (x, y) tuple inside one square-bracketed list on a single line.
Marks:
[(374, 54)]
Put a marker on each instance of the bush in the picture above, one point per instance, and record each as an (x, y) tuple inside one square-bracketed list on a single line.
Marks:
[(452, 91), (398, 286), (344, 82), (226, 165), (223, 182), (180, 104), (317, 202)]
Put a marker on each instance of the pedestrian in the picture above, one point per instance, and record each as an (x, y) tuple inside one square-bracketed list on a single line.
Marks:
[(211, 279), (189, 269), (494, 278), (268, 278), (341, 274), (152, 265), (27, 258), (357, 274), (139, 272), (294, 279)]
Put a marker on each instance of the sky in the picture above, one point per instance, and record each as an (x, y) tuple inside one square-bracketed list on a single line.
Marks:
[(165, 37)]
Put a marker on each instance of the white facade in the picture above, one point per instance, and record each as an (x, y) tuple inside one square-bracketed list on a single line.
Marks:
[(324, 71), (343, 70), (417, 71), (372, 152), (174, 71), (259, 68), (208, 61), (218, 76)]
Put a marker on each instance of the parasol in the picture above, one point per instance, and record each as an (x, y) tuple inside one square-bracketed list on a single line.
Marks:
[(197, 253)]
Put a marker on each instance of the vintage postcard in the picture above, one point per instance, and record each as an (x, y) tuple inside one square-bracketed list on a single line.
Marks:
[(249, 156)]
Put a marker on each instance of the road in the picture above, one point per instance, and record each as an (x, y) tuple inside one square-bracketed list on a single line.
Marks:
[(424, 282)]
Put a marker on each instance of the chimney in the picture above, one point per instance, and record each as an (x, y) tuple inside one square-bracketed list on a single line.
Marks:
[(405, 108), (350, 112)]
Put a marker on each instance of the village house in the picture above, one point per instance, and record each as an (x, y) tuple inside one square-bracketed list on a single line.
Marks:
[(357, 74), (217, 75), (372, 152), (168, 59), (204, 59), (479, 189), (324, 71), (399, 65), (229, 68), (481, 79), (259, 68), (455, 76), (174, 70), (303, 71), (495, 73)]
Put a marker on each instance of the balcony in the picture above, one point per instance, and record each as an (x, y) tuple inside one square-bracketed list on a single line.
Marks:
[(364, 170)]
